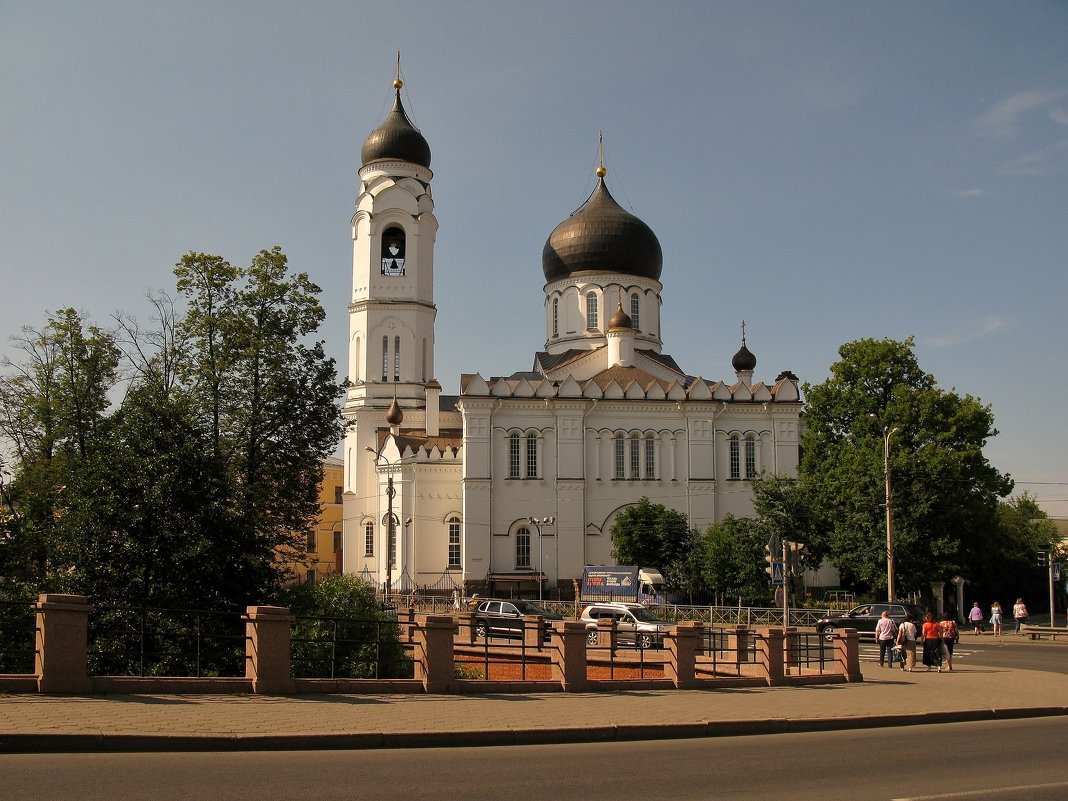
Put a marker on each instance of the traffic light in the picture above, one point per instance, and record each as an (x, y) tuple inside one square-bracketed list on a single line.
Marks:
[(769, 557)]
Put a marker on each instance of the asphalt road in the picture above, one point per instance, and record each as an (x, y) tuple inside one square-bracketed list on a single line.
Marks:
[(979, 760)]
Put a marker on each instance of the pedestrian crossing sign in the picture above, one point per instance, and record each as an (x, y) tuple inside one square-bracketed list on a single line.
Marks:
[(776, 572)]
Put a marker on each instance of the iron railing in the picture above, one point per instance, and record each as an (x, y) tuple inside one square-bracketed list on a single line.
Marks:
[(352, 648), (499, 650), (146, 641)]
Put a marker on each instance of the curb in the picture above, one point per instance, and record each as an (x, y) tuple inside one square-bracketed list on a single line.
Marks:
[(104, 742)]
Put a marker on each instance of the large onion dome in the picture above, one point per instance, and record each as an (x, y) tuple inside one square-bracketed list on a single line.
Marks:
[(602, 237), (396, 139)]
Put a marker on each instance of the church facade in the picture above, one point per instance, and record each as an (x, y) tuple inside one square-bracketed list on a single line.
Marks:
[(511, 487)]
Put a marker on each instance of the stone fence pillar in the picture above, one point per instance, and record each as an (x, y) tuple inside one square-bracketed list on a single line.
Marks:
[(681, 666), (770, 655), (569, 656), (268, 639), (61, 661), (533, 625), (847, 654), (434, 652)]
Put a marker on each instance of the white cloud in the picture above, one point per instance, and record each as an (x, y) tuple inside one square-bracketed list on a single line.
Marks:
[(1039, 162), (966, 332), (1002, 120), (1059, 115), (967, 192)]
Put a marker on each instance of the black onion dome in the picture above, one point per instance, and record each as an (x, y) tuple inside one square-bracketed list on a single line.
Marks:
[(396, 139), (602, 237), (744, 359)]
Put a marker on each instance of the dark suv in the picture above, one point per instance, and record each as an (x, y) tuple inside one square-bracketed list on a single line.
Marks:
[(505, 618), (863, 618)]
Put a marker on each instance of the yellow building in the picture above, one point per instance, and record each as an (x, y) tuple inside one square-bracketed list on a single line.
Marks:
[(324, 541)]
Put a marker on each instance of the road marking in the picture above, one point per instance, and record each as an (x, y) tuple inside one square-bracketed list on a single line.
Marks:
[(986, 793)]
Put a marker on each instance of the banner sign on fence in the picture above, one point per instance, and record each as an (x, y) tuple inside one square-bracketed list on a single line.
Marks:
[(604, 582)]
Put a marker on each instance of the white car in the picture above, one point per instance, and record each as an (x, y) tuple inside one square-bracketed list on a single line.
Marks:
[(635, 624)]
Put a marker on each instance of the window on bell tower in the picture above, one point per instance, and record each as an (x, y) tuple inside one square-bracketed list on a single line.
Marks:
[(591, 310), (634, 308), (393, 251)]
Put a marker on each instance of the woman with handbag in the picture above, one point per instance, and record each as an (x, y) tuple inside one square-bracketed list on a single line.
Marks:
[(906, 638), (1019, 614)]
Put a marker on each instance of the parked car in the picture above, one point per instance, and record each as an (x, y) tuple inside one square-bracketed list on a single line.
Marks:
[(505, 618), (863, 618), (635, 624)]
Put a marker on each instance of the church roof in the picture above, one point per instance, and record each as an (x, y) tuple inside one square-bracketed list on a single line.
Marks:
[(602, 236), (396, 139)]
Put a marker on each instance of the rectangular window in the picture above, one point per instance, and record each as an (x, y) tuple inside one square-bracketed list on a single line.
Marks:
[(513, 456), (635, 457), (454, 542), (385, 358), (750, 457), (736, 468), (339, 493), (591, 310), (396, 358), (522, 549), (634, 313), (621, 462), (393, 546), (556, 317), (311, 542), (369, 539), (337, 541), (532, 456), (650, 457)]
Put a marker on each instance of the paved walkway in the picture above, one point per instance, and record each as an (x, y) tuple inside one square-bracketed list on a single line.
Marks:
[(241, 722)]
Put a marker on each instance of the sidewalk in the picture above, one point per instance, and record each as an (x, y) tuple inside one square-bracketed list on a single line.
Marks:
[(887, 697)]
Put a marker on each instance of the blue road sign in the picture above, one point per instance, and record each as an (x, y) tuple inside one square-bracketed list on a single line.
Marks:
[(776, 572)]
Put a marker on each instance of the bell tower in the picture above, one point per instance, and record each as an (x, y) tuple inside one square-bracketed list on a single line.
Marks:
[(392, 311)]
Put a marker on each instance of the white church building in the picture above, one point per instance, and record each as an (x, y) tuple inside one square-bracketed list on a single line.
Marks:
[(512, 486)]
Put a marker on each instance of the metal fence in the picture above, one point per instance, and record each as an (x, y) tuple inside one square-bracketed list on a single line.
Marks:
[(351, 648), (18, 628), (499, 651), (145, 641), (807, 652)]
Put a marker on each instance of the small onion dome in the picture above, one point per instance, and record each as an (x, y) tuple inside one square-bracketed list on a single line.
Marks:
[(620, 320), (396, 139), (394, 416), (602, 237), (744, 359)]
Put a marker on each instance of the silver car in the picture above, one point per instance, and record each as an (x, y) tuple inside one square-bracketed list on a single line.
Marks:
[(635, 624)]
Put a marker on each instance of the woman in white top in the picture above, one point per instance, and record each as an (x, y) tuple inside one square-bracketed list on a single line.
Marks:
[(995, 618)]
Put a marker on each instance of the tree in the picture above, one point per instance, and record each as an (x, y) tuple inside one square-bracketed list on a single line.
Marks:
[(945, 492), (733, 551), (652, 535)]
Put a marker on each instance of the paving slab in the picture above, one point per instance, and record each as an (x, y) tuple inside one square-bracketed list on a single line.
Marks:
[(30, 722)]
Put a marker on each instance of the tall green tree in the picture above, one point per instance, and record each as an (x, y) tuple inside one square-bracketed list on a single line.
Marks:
[(652, 535), (733, 550), (945, 492)]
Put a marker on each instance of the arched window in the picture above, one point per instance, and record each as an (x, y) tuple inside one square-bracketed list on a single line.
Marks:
[(513, 456), (736, 466), (635, 456), (385, 358), (556, 317), (393, 251), (368, 539), (591, 310), (532, 455), (396, 358), (750, 456), (634, 308), (454, 542), (356, 359), (522, 549), (621, 456)]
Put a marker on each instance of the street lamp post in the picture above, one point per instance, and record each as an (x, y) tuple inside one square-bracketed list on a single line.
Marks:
[(538, 522), (887, 434), (390, 525)]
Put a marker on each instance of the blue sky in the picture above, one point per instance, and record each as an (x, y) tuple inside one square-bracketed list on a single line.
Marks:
[(825, 170)]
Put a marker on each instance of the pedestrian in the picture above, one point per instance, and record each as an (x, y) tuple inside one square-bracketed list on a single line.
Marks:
[(1019, 613), (975, 617), (455, 598), (906, 638), (885, 634), (950, 634), (995, 618), (932, 643)]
